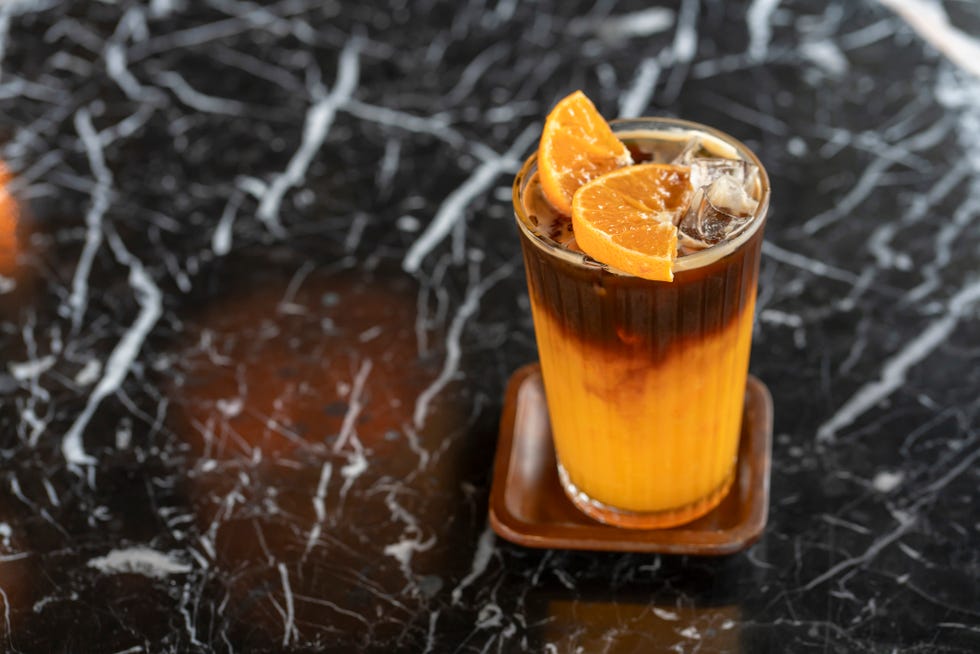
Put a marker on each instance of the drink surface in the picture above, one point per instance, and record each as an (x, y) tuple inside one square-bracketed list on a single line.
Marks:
[(698, 230)]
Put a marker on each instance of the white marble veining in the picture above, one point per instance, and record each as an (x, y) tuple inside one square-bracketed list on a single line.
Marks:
[(139, 560), (261, 293)]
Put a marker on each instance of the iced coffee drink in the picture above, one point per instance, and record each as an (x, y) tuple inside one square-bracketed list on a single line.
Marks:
[(642, 258)]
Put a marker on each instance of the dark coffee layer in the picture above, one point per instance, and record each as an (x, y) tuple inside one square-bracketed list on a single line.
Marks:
[(606, 309)]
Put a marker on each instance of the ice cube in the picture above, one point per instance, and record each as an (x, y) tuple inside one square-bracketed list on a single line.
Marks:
[(723, 201), (706, 171), (718, 211), (730, 195), (690, 152)]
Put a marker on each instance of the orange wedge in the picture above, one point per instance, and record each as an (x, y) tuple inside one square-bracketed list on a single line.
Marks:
[(625, 218), (577, 145)]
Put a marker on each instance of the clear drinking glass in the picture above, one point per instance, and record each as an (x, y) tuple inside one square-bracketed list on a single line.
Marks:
[(645, 380)]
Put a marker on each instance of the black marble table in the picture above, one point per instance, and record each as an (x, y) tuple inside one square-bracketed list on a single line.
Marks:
[(260, 293)]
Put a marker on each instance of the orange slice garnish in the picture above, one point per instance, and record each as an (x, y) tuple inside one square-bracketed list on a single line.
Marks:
[(577, 145), (625, 218)]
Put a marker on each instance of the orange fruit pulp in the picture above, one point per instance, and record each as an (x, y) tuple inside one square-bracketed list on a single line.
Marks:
[(577, 145), (622, 215), (626, 218)]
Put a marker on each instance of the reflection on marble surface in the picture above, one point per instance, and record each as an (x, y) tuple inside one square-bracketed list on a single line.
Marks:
[(260, 292)]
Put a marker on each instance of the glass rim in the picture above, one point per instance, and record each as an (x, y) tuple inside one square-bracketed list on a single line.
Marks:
[(693, 261)]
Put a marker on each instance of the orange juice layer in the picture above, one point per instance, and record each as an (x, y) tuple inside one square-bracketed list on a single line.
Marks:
[(642, 432)]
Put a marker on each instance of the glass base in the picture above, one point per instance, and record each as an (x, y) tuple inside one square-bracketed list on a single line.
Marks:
[(647, 520)]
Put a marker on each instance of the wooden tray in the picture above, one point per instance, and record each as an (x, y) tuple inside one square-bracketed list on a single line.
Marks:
[(529, 507)]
